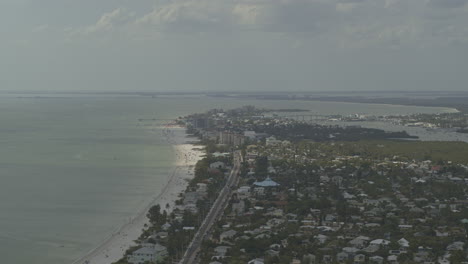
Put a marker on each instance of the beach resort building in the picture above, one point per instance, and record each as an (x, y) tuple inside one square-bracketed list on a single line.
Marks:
[(148, 253)]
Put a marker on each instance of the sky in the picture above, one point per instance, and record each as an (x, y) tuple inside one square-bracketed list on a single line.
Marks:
[(233, 45)]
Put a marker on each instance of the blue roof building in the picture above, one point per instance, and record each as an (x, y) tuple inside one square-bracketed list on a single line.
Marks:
[(268, 182)]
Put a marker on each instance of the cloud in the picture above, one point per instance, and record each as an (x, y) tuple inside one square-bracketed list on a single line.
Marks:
[(248, 13), (41, 28), (355, 22), (447, 3), (109, 21), (346, 7), (195, 15), (219, 16)]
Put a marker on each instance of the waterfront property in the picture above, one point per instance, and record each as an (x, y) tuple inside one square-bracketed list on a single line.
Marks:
[(148, 253)]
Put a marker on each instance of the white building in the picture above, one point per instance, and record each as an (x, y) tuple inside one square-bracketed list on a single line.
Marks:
[(243, 192), (148, 253), (272, 141)]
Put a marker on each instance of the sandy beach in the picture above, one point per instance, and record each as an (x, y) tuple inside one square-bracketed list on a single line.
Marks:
[(114, 247)]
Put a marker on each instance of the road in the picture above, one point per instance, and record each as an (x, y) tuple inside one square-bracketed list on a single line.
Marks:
[(215, 212)]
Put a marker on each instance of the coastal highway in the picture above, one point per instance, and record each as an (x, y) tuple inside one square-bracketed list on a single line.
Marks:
[(215, 212)]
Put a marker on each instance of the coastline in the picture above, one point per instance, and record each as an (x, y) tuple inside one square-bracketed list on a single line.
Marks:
[(186, 156), (444, 109)]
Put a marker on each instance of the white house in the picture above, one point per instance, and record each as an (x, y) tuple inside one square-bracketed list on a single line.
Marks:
[(321, 238), (376, 259), (403, 243), (221, 251), (243, 192), (392, 259), (166, 226), (227, 235), (256, 261), (380, 242), (148, 253)]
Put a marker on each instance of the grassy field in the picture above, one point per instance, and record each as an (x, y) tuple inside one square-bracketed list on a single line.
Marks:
[(420, 150)]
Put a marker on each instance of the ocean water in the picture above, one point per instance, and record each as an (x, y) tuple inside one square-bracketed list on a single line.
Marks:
[(74, 168)]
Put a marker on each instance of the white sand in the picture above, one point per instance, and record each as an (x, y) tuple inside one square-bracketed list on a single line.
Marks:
[(115, 246)]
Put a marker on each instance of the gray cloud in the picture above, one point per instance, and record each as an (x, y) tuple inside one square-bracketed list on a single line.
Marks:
[(214, 44), (355, 22), (448, 3), (300, 16)]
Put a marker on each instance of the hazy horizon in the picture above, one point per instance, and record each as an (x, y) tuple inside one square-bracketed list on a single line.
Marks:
[(235, 45)]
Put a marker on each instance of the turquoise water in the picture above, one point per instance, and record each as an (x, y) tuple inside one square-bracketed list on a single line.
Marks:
[(74, 168)]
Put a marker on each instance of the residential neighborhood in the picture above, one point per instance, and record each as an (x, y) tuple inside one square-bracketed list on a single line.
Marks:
[(319, 200)]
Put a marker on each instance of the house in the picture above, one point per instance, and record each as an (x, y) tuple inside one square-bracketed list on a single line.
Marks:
[(380, 242), (256, 261), (321, 238), (202, 187), (221, 251), (330, 218), (268, 182), (422, 254), (403, 243), (441, 233), (148, 253), (276, 247), (272, 253), (191, 198), (358, 242), (271, 169), (342, 257), (219, 154), (166, 226), (295, 261), (243, 192), (371, 249), (227, 235), (456, 246), (376, 259), (392, 259), (238, 208), (351, 251), (348, 196), (359, 259)]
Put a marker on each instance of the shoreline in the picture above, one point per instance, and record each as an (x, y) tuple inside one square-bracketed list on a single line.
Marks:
[(187, 155), (446, 109)]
